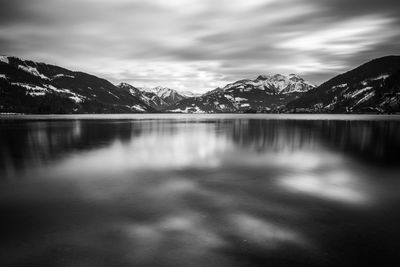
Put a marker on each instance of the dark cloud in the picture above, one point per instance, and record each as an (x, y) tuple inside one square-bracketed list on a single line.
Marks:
[(360, 7), (198, 45)]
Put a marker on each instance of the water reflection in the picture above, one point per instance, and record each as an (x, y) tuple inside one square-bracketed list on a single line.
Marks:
[(196, 192)]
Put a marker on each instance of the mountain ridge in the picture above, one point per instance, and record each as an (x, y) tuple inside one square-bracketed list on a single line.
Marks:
[(27, 86)]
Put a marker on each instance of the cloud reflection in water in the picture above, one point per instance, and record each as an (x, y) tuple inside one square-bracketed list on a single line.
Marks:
[(218, 192), (333, 186)]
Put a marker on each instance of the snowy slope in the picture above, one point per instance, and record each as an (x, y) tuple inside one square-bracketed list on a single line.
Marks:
[(147, 96), (168, 95)]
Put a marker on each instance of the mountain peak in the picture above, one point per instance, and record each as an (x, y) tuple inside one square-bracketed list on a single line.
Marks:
[(262, 77), (166, 94), (278, 76), (125, 85)]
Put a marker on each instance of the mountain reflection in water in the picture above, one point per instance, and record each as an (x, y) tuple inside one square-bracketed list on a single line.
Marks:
[(199, 192)]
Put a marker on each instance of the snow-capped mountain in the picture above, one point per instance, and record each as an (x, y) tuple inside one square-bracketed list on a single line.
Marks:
[(168, 95), (147, 96), (272, 85), (262, 93), (371, 87), (30, 87)]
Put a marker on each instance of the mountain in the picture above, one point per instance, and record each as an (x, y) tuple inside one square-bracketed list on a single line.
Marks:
[(371, 87), (158, 98), (30, 87), (263, 93), (169, 96), (147, 96)]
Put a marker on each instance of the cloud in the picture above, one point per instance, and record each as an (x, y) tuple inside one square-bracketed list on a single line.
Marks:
[(198, 45), (348, 37)]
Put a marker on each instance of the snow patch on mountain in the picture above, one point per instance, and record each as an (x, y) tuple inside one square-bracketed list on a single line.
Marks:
[(365, 98), (138, 108), (381, 77), (339, 86), (76, 99), (33, 71), (192, 109), (62, 75), (32, 90), (117, 97), (35, 90), (240, 99), (360, 91)]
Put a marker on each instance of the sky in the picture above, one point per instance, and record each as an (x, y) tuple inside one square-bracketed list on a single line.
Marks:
[(198, 45)]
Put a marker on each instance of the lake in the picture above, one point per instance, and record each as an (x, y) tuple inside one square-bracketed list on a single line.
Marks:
[(200, 190)]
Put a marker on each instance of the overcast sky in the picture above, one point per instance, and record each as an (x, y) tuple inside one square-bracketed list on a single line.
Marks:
[(198, 45)]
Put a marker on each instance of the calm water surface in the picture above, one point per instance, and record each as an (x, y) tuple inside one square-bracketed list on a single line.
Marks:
[(212, 190)]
